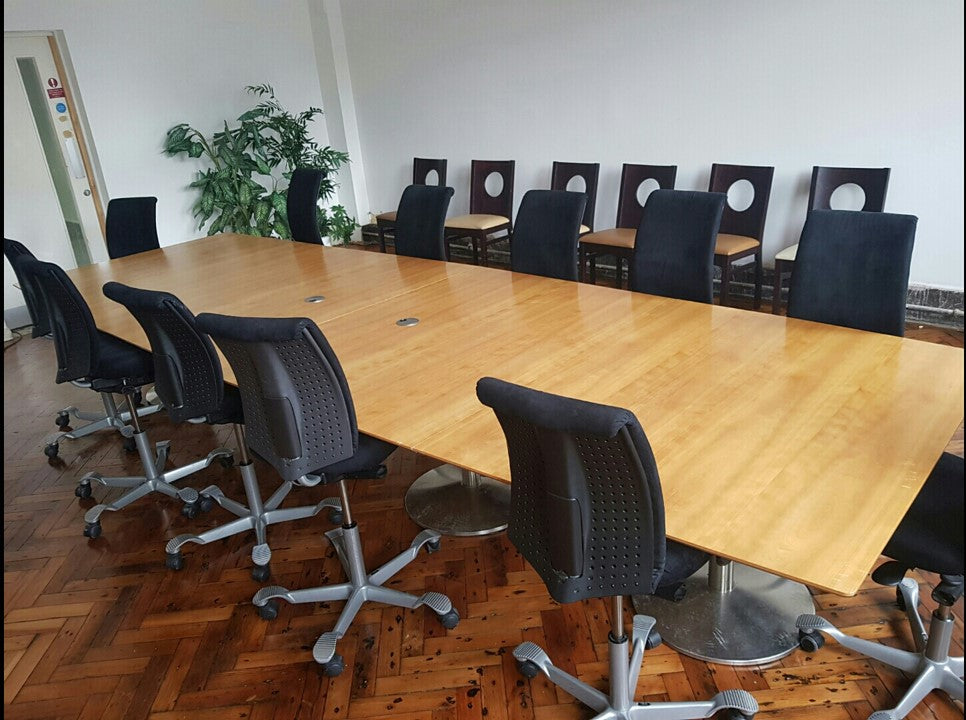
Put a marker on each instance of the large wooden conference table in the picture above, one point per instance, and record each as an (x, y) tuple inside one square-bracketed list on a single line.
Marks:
[(783, 445)]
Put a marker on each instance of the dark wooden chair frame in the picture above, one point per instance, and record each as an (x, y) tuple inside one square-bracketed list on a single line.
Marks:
[(482, 203), (421, 169), (563, 172)]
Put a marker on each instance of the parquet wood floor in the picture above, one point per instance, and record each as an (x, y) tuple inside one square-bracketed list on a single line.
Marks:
[(100, 629)]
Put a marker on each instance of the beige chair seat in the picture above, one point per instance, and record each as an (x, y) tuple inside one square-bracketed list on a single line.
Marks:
[(475, 222), (788, 254), (584, 229), (615, 237), (733, 244), (387, 216)]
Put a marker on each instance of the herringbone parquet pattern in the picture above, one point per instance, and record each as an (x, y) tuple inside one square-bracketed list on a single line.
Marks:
[(100, 629)]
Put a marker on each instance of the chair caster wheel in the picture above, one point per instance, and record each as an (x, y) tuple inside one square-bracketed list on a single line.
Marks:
[(810, 641), (83, 491), (261, 573), (432, 546), (190, 510), (334, 667), (528, 669), (227, 461), (738, 715), (51, 450), (206, 503), (654, 640), (174, 561), (93, 530), (450, 619), (138, 398), (336, 517), (129, 444), (63, 420), (268, 611), (900, 601)]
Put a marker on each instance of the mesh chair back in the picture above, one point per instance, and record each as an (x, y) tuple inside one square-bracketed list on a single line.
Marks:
[(131, 226), (299, 415), (36, 307), (76, 339), (420, 221), (674, 247), (826, 180), (852, 269), (481, 202), (629, 208), (187, 370), (546, 232), (302, 204), (586, 508), (423, 166), (563, 172), (749, 222)]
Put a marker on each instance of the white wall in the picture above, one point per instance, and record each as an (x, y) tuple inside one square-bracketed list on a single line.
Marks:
[(792, 84), (143, 66)]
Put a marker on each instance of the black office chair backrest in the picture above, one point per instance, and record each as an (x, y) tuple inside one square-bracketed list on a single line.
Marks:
[(563, 172), (629, 207), (545, 235), (826, 180), (302, 204), (36, 307), (674, 247), (299, 415), (420, 221), (749, 222), (187, 370), (131, 226), (586, 508), (423, 166), (76, 338), (852, 269)]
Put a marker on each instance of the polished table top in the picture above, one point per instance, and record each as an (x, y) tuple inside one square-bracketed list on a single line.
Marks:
[(787, 445)]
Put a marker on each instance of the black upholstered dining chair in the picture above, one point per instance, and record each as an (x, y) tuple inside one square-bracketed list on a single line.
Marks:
[(546, 232), (301, 420), (852, 269), (490, 219), (131, 226), (874, 182), (619, 240), (36, 308), (419, 221), (741, 232), (930, 538), (426, 171), (89, 358), (587, 512), (674, 246), (562, 174), (302, 204)]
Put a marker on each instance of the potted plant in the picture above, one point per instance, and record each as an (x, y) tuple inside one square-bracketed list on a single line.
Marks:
[(245, 187)]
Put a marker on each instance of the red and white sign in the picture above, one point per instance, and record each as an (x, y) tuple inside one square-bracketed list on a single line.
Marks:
[(53, 82), (56, 93)]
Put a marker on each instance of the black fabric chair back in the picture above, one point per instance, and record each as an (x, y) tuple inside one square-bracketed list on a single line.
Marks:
[(749, 222), (852, 269), (629, 208), (826, 180), (481, 202), (299, 415), (563, 172), (423, 166), (420, 221), (76, 338), (36, 307), (187, 370), (674, 247), (302, 204), (586, 508), (131, 226), (545, 236)]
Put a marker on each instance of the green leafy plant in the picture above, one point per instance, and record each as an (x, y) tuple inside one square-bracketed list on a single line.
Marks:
[(245, 188)]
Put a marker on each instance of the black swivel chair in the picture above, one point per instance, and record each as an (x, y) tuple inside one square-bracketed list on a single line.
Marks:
[(852, 269), (546, 232), (131, 226), (419, 222), (301, 420), (930, 537), (426, 171), (36, 308), (674, 247), (302, 204), (89, 358), (587, 513)]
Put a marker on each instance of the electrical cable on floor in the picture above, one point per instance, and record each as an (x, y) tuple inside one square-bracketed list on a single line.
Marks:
[(17, 337)]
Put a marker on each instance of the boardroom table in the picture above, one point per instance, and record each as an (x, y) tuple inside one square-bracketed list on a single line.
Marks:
[(788, 450)]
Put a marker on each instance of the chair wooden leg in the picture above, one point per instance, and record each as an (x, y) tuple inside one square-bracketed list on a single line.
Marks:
[(476, 250), (484, 256), (776, 293), (382, 237), (725, 283), (581, 261), (619, 272), (758, 280)]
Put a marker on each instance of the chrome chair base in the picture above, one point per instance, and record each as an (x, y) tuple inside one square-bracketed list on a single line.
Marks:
[(110, 418), (457, 502)]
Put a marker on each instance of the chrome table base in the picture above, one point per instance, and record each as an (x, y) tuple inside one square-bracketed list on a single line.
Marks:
[(458, 502)]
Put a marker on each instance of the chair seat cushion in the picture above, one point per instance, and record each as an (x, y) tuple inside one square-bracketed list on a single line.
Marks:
[(476, 222), (230, 410), (788, 254), (615, 237), (370, 454), (584, 229), (733, 244), (386, 217), (681, 563), (123, 362)]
